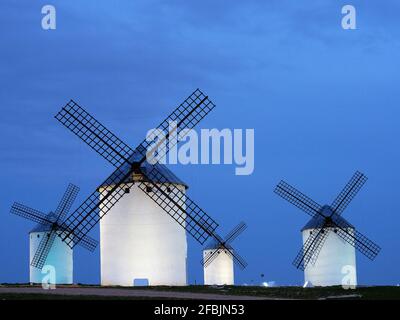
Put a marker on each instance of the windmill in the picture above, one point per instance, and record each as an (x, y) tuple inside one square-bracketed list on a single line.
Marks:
[(329, 241), (218, 258), (161, 251), (45, 246)]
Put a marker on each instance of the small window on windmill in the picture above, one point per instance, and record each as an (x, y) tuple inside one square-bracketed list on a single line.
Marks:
[(169, 189), (127, 190), (38, 235), (149, 189)]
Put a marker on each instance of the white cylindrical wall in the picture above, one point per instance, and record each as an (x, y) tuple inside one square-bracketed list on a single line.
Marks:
[(60, 257), (220, 270), (336, 263), (140, 241)]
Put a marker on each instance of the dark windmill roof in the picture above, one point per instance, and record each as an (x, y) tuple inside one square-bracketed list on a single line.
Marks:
[(212, 245), (215, 245), (44, 228), (318, 220), (147, 167), (165, 171)]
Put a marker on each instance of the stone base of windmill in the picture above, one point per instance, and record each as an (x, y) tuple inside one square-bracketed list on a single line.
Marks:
[(220, 271)]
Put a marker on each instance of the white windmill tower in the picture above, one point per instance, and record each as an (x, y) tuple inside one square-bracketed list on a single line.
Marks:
[(140, 245), (59, 257), (219, 257), (49, 256), (329, 241), (336, 258)]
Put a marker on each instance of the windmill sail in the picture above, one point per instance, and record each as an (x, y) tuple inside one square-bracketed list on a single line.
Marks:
[(329, 218), (188, 114), (219, 244), (53, 224)]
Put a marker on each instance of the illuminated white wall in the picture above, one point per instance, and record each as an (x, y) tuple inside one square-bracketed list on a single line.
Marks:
[(139, 240), (219, 271), (60, 257), (336, 263)]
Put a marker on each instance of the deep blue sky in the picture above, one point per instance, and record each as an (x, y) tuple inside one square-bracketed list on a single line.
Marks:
[(323, 101)]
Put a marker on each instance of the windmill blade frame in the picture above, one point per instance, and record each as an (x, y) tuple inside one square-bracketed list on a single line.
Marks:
[(189, 113), (30, 214), (200, 224), (364, 245), (94, 134), (45, 245), (197, 222), (212, 255), (332, 218), (66, 202), (297, 198), (87, 215), (224, 245), (235, 256), (349, 192), (85, 242), (215, 241), (231, 236), (42, 252), (229, 251), (52, 220), (88, 243), (310, 250)]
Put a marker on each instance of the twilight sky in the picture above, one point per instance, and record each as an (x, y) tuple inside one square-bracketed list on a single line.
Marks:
[(324, 102)]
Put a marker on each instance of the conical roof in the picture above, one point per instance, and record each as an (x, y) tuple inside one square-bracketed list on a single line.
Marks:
[(213, 244), (146, 167), (317, 221), (45, 228)]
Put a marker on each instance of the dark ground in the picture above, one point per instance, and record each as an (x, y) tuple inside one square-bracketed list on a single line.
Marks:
[(84, 292)]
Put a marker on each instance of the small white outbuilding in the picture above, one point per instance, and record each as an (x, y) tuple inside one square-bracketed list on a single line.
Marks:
[(336, 262), (58, 268)]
